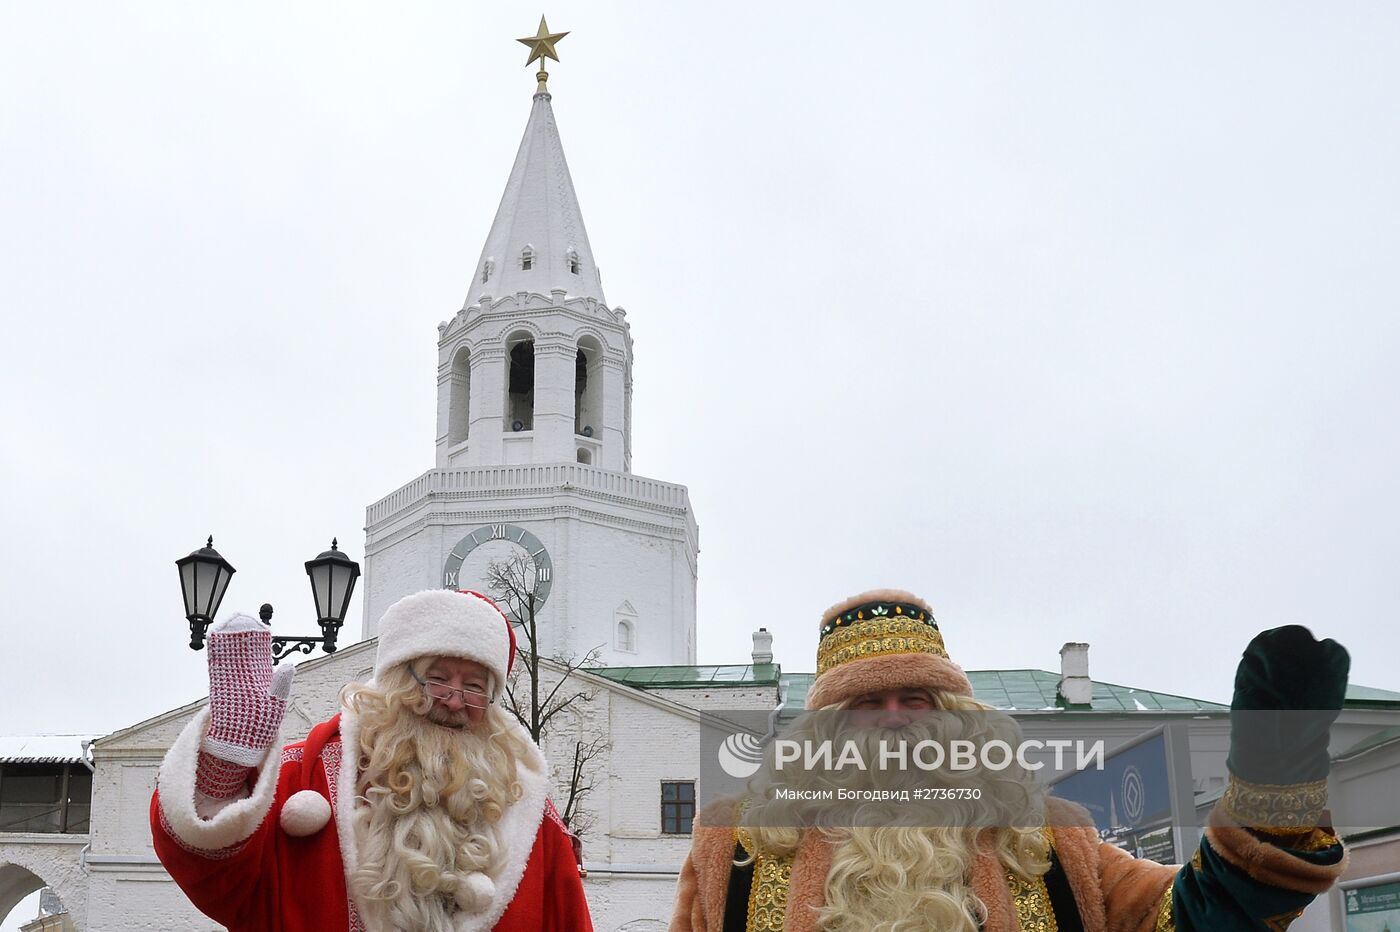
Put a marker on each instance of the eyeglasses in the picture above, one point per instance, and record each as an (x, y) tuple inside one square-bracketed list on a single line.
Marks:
[(471, 695)]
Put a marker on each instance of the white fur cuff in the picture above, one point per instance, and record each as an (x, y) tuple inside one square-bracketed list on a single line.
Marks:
[(234, 823)]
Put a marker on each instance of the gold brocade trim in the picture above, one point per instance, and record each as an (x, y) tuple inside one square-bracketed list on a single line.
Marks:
[(1031, 900), (1271, 807), (768, 893), (876, 637), (1165, 922), (1289, 835), (1317, 841)]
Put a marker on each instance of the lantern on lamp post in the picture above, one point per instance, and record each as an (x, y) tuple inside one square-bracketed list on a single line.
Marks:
[(204, 576), (333, 577)]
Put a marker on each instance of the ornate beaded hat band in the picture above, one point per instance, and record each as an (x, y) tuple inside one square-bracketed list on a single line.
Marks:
[(880, 627), (879, 640)]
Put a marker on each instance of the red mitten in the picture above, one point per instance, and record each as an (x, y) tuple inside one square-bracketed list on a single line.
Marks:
[(246, 703)]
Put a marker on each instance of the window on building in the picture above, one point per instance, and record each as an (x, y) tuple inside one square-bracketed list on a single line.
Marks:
[(626, 636), (677, 807), (527, 258), (486, 268), (573, 262)]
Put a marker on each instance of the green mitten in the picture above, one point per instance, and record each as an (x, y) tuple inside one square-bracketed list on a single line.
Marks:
[(1288, 691)]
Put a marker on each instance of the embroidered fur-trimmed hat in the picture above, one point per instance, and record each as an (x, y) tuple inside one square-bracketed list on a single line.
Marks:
[(446, 623), (878, 640)]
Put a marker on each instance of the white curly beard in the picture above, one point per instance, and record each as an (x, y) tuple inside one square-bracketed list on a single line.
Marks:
[(431, 797)]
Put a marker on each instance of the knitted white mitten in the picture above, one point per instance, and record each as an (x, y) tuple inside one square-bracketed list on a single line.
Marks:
[(246, 703)]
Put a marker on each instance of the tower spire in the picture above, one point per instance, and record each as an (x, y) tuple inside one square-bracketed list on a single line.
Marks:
[(537, 241)]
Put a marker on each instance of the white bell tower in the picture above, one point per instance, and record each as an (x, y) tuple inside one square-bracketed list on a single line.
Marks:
[(534, 441), (536, 368)]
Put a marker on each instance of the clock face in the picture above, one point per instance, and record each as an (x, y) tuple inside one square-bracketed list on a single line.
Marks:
[(468, 560)]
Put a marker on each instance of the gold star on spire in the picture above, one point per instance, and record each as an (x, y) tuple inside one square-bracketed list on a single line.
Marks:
[(541, 47)]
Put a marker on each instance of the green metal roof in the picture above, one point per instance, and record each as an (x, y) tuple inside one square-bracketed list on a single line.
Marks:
[(1385, 736), (1031, 690), (1013, 690), (795, 686), (688, 677), (1370, 697)]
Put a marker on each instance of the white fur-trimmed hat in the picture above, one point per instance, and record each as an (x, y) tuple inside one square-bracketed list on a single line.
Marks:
[(446, 623)]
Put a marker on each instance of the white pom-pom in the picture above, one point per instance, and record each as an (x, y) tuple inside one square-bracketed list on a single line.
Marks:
[(475, 892), (306, 813)]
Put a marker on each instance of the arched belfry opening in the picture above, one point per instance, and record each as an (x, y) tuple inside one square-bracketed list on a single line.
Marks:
[(588, 388), (520, 382), (459, 398)]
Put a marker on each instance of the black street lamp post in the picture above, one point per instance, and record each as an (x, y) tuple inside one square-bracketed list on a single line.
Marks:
[(205, 575)]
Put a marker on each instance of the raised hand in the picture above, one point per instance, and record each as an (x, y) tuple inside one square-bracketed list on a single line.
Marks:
[(1289, 689), (1287, 668), (247, 701)]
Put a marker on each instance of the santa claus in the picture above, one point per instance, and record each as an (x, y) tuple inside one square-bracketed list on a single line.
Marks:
[(422, 805)]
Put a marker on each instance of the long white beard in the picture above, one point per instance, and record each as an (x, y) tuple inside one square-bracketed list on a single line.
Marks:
[(901, 880), (427, 826), (890, 871)]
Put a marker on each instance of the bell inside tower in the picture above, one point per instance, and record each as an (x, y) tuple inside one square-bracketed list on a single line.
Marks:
[(520, 393), (588, 389)]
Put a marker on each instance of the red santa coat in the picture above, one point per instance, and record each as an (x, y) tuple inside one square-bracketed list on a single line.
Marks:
[(243, 869)]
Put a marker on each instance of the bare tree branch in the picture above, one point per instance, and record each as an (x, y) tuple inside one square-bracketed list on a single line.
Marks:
[(569, 669), (514, 705), (562, 707), (513, 584), (581, 784)]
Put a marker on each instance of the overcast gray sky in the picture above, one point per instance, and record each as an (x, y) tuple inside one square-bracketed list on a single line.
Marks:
[(1078, 320)]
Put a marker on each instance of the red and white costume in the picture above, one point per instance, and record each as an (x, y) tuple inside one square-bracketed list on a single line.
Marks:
[(246, 869)]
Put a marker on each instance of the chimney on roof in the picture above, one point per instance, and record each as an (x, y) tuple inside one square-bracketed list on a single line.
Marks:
[(1075, 689), (762, 646)]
